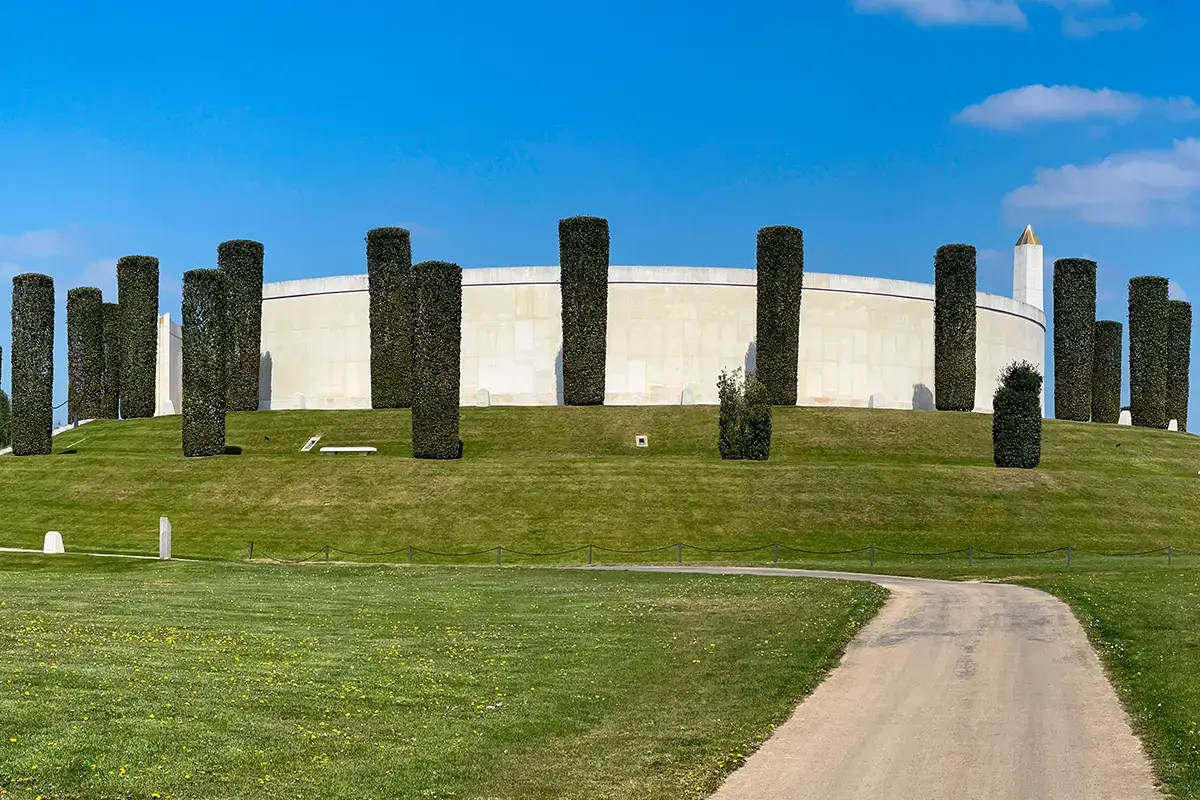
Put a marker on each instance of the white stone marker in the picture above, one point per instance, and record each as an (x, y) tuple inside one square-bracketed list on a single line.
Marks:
[(164, 538), (877, 400), (688, 396), (483, 398), (53, 544), (310, 443), (297, 400), (1126, 418), (1173, 425), (641, 440), (1027, 270)]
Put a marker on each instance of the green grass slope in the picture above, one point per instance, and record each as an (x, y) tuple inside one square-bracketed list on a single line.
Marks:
[(546, 479)]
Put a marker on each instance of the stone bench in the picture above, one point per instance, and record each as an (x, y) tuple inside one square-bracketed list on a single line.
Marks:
[(348, 450)]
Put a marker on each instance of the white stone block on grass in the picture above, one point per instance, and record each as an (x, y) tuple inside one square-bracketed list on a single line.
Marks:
[(53, 544), (1126, 418), (877, 400), (483, 399), (164, 538), (1173, 425)]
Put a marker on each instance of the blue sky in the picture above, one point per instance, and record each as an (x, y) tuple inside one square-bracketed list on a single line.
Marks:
[(883, 128)]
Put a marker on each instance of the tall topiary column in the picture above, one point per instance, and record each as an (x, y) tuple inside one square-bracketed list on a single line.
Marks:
[(437, 343), (393, 302), (85, 353), (954, 328), (1074, 332), (110, 404), (1017, 417), (137, 294), (32, 364), (5, 413), (242, 262), (1106, 372), (1179, 359), (1149, 324), (205, 361), (780, 262), (583, 277)]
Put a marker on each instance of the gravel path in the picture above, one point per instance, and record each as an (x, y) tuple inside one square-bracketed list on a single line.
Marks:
[(955, 690)]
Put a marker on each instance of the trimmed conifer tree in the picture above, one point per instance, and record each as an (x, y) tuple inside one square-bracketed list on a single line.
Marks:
[(85, 353), (205, 361), (583, 244), (780, 286), (437, 348), (242, 262), (1106, 372), (731, 415), (393, 305), (954, 328), (1074, 337), (110, 404), (5, 413), (137, 297), (744, 420), (1149, 328), (1179, 358), (32, 364), (756, 437), (1017, 417)]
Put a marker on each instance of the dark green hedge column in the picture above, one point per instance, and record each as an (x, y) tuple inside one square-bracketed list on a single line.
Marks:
[(32, 364), (1074, 332), (393, 303), (242, 262), (1179, 360), (137, 294), (437, 343), (1149, 324), (205, 361), (780, 263), (85, 353), (954, 328), (1106, 372), (5, 413), (1017, 417), (583, 277), (110, 405)]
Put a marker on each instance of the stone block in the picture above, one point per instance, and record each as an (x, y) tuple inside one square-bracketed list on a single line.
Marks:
[(164, 538), (1173, 425), (483, 398), (1126, 418), (53, 544), (877, 400)]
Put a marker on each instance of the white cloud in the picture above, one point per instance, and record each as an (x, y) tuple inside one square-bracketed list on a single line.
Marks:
[(1123, 189), (102, 273), (1177, 292), (37, 244), (1002, 13), (1033, 104)]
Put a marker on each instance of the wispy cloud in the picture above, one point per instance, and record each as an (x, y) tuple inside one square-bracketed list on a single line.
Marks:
[(1132, 188), (1029, 105), (1005, 13), (37, 244), (102, 273)]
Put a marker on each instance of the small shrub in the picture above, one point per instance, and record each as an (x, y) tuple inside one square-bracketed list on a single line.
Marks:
[(583, 277), (1017, 417), (1179, 360), (954, 328), (32, 418), (744, 420), (110, 404), (85, 353), (393, 305), (242, 262), (205, 361), (436, 355), (1074, 337), (1149, 328), (1106, 372), (137, 296), (780, 286)]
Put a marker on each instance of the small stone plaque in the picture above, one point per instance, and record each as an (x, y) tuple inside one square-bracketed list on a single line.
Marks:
[(641, 440), (1126, 418)]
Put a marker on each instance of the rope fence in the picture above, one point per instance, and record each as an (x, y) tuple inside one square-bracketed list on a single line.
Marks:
[(870, 552)]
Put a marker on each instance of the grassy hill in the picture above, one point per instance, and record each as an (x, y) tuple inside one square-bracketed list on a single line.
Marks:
[(546, 479)]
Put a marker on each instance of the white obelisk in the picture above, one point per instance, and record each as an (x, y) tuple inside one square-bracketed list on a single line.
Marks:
[(1027, 270)]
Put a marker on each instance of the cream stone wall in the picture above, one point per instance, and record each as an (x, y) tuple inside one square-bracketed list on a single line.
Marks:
[(863, 341)]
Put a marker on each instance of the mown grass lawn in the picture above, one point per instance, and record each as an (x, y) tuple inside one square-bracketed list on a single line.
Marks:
[(548, 479), (172, 680)]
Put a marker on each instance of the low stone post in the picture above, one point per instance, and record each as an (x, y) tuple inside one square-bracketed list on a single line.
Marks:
[(164, 538)]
